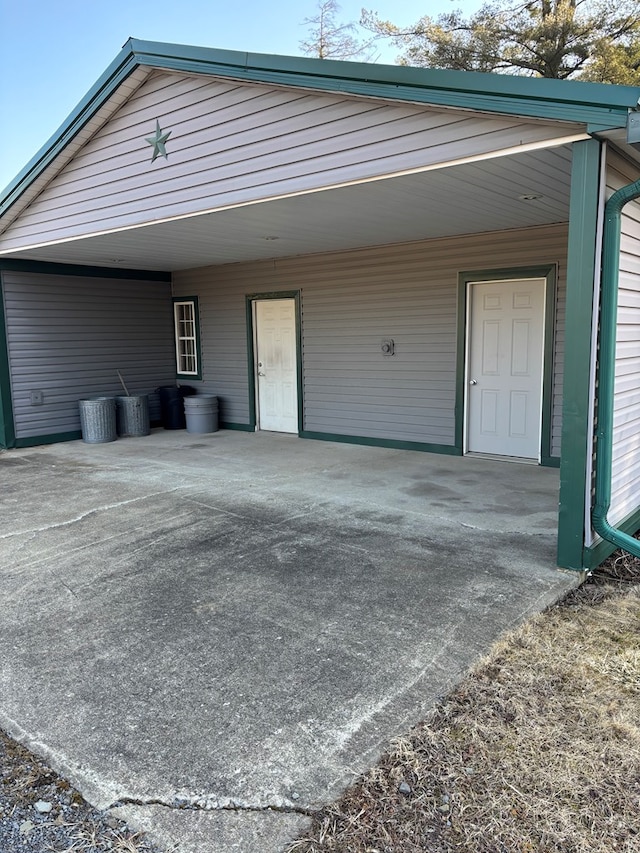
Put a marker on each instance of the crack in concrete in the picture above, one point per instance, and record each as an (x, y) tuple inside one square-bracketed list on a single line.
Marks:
[(96, 509), (526, 533), (211, 805)]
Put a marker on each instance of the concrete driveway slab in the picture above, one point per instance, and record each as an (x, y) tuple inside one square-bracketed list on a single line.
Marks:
[(213, 634)]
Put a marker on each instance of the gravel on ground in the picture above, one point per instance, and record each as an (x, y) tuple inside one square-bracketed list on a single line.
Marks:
[(40, 812)]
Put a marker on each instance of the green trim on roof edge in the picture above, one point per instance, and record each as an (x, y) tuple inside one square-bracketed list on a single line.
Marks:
[(556, 100), (597, 95), (122, 66), (599, 106)]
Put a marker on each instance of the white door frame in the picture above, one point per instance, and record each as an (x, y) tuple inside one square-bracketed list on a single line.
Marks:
[(466, 280), (252, 300)]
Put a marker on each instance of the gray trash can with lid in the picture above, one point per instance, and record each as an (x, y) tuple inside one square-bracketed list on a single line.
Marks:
[(201, 413)]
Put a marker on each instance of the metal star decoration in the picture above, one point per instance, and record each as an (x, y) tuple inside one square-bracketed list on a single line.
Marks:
[(158, 142)]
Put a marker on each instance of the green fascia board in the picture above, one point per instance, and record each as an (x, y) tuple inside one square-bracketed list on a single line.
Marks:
[(570, 92), (122, 66), (558, 100), (597, 105)]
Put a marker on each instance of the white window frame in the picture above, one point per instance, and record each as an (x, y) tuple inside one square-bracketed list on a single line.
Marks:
[(187, 341)]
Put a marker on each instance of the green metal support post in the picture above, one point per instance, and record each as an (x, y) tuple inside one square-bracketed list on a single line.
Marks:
[(582, 262)]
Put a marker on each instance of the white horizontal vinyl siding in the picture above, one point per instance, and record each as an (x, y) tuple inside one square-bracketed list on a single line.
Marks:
[(625, 485), (68, 336), (351, 301), (236, 143)]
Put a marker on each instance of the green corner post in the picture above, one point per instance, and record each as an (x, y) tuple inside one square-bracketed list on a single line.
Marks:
[(583, 260), (7, 430)]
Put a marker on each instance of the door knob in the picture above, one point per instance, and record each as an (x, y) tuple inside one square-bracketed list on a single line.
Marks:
[(473, 382)]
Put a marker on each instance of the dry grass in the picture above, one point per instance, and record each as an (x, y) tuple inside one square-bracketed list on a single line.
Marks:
[(96, 839), (538, 749)]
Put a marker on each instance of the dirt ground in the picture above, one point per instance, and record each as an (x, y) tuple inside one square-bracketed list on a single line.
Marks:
[(537, 749)]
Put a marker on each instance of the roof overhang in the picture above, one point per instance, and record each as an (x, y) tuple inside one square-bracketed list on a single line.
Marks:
[(598, 106), (518, 190)]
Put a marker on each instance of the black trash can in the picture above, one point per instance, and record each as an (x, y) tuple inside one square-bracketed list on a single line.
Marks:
[(172, 405)]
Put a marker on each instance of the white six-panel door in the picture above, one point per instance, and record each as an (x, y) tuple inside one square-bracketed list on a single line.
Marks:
[(276, 367), (505, 367)]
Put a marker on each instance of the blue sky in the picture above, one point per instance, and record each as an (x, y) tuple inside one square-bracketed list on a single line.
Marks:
[(51, 53)]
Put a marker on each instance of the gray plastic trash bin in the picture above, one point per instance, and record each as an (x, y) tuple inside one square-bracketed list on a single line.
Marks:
[(98, 420), (201, 413), (132, 415)]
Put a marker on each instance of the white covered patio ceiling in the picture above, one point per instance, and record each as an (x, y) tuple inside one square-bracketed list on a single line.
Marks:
[(516, 191)]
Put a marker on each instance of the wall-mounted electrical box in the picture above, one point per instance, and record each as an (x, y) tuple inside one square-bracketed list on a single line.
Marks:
[(388, 347), (37, 398)]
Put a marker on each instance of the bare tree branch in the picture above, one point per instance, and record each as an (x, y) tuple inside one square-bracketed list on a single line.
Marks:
[(546, 38), (329, 39)]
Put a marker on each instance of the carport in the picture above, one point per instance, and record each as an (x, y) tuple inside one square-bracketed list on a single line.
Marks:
[(378, 220), (219, 646)]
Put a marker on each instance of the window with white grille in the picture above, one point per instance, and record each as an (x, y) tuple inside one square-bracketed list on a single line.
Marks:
[(185, 315)]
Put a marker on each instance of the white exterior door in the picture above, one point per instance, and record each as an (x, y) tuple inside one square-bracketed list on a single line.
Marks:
[(276, 365), (505, 367)]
